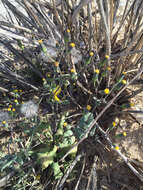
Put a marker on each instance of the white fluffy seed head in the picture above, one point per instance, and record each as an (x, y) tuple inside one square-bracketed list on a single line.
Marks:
[(51, 52), (4, 116), (29, 109)]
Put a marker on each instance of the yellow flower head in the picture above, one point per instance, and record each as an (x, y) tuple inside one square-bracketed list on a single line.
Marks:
[(124, 134), (72, 70), (91, 53), (106, 91), (124, 73), (16, 101), (107, 56), (43, 79), (65, 124), (116, 148), (8, 109), (56, 64), (40, 41), (4, 122), (108, 68), (72, 45), (132, 104), (88, 107), (48, 75), (13, 109), (97, 71), (114, 124), (68, 31), (10, 106), (20, 90), (124, 82), (57, 90), (15, 90), (56, 98)]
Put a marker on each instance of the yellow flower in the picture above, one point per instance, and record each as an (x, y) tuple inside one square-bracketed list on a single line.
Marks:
[(48, 75), (97, 71), (68, 31), (15, 90), (65, 124), (88, 107), (16, 101), (132, 104), (109, 68), (72, 70), (72, 45), (124, 73), (10, 106), (56, 98), (57, 90), (56, 64), (114, 124), (91, 53), (116, 148), (20, 90), (4, 122), (8, 109), (40, 41), (106, 91), (124, 82), (107, 56), (43, 79), (13, 109), (124, 134)]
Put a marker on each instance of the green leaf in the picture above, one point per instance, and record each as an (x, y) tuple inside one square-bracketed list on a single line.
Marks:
[(66, 39), (67, 142), (57, 172), (86, 119), (44, 49), (46, 157), (60, 130), (73, 152), (103, 74), (87, 62), (68, 133), (84, 124)]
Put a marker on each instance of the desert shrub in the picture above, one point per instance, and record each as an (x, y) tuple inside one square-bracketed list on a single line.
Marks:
[(65, 67)]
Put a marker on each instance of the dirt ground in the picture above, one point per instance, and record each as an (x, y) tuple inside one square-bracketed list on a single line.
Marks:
[(132, 144)]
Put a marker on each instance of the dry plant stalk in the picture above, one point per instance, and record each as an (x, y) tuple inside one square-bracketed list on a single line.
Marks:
[(94, 123)]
